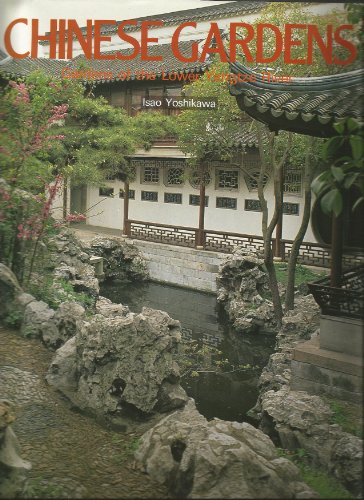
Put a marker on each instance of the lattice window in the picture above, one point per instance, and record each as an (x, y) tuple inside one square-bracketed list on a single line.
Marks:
[(150, 175), (291, 208), (149, 196), (195, 178), (292, 181), (106, 191), (173, 198), (131, 194), (226, 203), (173, 176), (227, 179), (251, 166), (252, 205), (195, 200)]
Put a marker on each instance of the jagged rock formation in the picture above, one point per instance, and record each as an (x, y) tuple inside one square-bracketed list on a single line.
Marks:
[(12, 467), (242, 284), (118, 364), (122, 260), (295, 419), (9, 289), (70, 261), (195, 458)]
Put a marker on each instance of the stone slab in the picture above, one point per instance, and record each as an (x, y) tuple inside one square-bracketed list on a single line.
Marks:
[(310, 352), (341, 334)]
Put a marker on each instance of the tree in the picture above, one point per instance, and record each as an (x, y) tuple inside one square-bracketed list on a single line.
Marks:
[(343, 161), (52, 133), (214, 133)]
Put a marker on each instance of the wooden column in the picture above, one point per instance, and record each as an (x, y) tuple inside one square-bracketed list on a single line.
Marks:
[(201, 218), (126, 224)]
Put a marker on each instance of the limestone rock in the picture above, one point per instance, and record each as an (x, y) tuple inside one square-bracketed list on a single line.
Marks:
[(63, 324), (122, 260), (241, 284), (12, 466), (299, 420), (346, 462), (121, 363), (195, 458), (37, 316), (63, 370), (70, 261), (108, 309), (9, 288)]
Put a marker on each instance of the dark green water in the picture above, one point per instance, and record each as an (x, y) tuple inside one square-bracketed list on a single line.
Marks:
[(227, 392)]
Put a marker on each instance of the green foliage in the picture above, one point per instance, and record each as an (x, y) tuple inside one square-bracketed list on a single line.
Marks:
[(126, 449), (343, 156), (303, 274), (13, 319), (210, 133), (282, 13), (319, 480), (348, 415), (194, 358), (55, 291), (40, 487)]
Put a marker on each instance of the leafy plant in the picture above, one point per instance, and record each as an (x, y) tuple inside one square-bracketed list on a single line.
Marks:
[(348, 415), (40, 487), (55, 291), (13, 319), (126, 450), (344, 157)]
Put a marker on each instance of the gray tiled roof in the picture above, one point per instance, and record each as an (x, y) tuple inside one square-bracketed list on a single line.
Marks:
[(14, 68), (169, 64), (305, 105), (200, 14), (3, 55)]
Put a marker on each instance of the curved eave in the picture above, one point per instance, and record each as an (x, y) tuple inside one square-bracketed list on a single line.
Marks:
[(303, 84), (307, 106)]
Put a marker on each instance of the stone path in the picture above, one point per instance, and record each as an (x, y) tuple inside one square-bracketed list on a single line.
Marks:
[(72, 455)]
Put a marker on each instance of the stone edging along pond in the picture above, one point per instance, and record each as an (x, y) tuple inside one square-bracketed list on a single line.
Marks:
[(120, 364)]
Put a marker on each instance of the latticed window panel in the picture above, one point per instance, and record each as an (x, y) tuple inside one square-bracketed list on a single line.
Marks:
[(195, 200), (251, 169), (131, 194), (106, 191), (292, 183), (174, 176), (173, 198), (149, 196), (150, 175), (222, 202), (195, 178), (227, 179)]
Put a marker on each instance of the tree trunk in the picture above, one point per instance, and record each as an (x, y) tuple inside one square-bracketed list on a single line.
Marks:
[(296, 245), (279, 228), (267, 230), (65, 199)]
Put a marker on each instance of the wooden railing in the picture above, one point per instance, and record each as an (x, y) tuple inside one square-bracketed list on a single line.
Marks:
[(314, 254)]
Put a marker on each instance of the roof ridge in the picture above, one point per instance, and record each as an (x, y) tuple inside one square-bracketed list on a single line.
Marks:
[(216, 10)]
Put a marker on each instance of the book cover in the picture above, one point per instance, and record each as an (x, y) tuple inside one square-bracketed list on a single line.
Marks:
[(178, 155)]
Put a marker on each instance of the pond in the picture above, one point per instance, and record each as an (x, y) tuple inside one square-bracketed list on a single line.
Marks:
[(222, 375)]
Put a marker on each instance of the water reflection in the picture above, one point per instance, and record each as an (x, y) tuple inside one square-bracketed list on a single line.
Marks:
[(224, 395)]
